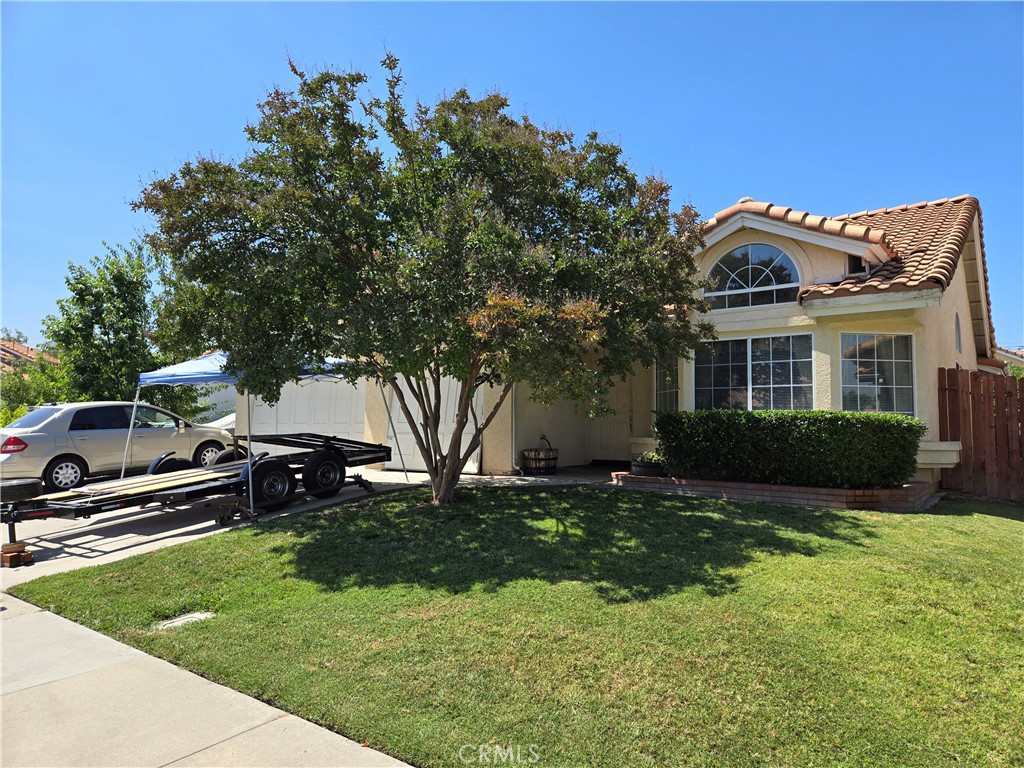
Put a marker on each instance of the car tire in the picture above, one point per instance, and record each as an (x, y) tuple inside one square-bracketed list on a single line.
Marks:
[(206, 454), (324, 469), (273, 482), (64, 473), (229, 455), (171, 464), (18, 490)]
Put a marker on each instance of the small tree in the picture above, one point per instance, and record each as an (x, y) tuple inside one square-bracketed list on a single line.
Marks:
[(455, 241), (101, 332)]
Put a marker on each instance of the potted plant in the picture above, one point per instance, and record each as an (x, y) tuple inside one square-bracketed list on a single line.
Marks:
[(647, 464)]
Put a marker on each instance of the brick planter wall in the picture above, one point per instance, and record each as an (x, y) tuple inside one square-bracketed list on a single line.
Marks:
[(913, 497)]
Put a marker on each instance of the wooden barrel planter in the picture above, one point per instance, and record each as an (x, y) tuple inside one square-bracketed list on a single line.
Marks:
[(539, 461)]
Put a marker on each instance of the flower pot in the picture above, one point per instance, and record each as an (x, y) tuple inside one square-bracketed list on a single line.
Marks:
[(646, 468)]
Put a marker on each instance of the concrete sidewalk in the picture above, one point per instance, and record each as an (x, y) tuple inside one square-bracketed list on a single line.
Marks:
[(74, 697)]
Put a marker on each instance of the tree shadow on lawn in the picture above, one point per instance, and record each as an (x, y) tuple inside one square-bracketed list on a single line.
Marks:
[(628, 545)]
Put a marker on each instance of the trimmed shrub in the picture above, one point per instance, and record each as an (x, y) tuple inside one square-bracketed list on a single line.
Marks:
[(821, 449)]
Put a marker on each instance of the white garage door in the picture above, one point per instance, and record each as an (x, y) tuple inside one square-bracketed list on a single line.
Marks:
[(327, 407), (402, 439)]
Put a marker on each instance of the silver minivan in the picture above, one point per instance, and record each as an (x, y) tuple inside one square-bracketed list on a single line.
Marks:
[(63, 444)]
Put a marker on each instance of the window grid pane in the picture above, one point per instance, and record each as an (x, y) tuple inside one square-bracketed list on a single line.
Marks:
[(877, 373), (767, 373), (752, 275)]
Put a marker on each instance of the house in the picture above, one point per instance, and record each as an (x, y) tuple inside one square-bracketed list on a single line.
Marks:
[(13, 352), (852, 312)]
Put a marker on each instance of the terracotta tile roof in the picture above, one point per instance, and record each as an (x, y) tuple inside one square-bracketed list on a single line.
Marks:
[(924, 242), (12, 351), (927, 240), (824, 224)]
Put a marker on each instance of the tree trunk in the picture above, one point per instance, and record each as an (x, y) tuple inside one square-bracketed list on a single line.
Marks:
[(445, 467)]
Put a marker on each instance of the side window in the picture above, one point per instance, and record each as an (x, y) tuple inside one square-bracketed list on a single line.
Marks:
[(102, 417), (147, 417), (958, 335)]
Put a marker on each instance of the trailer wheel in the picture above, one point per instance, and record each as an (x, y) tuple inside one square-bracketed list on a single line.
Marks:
[(171, 464), (227, 456), (323, 469), (64, 473), (272, 481), (18, 490)]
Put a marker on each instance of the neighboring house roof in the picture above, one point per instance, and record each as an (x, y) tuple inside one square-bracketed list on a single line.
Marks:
[(1009, 355), (924, 242), (12, 352)]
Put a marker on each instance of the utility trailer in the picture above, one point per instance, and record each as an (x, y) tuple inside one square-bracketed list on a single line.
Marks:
[(319, 463)]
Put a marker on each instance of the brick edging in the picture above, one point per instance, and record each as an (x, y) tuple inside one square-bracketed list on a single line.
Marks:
[(912, 497)]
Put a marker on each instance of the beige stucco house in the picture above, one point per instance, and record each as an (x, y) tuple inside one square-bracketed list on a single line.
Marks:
[(852, 312)]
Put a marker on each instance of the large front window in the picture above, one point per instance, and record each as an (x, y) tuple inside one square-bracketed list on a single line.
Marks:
[(759, 374), (751, 276), (878, 373)]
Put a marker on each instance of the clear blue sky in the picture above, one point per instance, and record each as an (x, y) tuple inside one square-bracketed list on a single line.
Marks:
[(831, 107)]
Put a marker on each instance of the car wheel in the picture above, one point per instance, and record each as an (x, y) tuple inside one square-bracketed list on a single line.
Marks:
[(17, 490), (272, 483), (64, 473), (324, 469), (206, 453)]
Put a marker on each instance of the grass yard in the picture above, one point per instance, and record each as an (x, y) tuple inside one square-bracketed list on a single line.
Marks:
[(594, 627)]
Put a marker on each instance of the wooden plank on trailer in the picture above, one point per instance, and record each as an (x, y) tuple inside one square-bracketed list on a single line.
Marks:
[(134, 484)]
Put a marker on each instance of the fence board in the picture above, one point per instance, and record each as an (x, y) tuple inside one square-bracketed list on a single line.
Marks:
[(984, 412), (1015, 438)]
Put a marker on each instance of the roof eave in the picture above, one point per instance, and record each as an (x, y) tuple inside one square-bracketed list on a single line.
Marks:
[(873, 301)]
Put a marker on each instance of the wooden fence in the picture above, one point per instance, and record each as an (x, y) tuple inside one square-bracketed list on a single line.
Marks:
[(984, 412)]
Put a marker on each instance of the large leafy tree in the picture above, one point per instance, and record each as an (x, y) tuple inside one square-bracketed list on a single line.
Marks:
[(101, 332), (446, 241)]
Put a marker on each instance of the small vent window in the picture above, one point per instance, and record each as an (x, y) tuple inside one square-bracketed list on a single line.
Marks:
[(959, 338), (855, 265)]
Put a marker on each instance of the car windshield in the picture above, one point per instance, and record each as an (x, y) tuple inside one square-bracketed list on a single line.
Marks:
[(34, 418)]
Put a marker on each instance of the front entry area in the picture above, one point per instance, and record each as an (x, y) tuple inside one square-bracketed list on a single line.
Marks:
[(609, 436)]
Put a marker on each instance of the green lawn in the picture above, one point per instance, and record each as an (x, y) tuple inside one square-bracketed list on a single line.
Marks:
[(604, 628)]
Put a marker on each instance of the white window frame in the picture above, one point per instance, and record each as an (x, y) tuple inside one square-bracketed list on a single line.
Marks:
[(913, 367), (772, 287), (750, 370)]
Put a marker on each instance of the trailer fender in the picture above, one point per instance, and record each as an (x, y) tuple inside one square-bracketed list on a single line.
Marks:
[(265, 455)]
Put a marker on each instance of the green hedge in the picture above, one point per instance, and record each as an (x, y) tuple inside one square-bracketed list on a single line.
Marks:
[(821, 449)]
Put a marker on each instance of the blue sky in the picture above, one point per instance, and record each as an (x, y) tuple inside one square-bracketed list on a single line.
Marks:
[(830, 107)]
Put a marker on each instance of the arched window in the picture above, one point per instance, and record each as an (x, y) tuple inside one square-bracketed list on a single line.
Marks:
[(751, 276)]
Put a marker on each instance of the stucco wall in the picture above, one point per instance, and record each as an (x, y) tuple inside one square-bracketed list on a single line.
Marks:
[(564, 423)]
